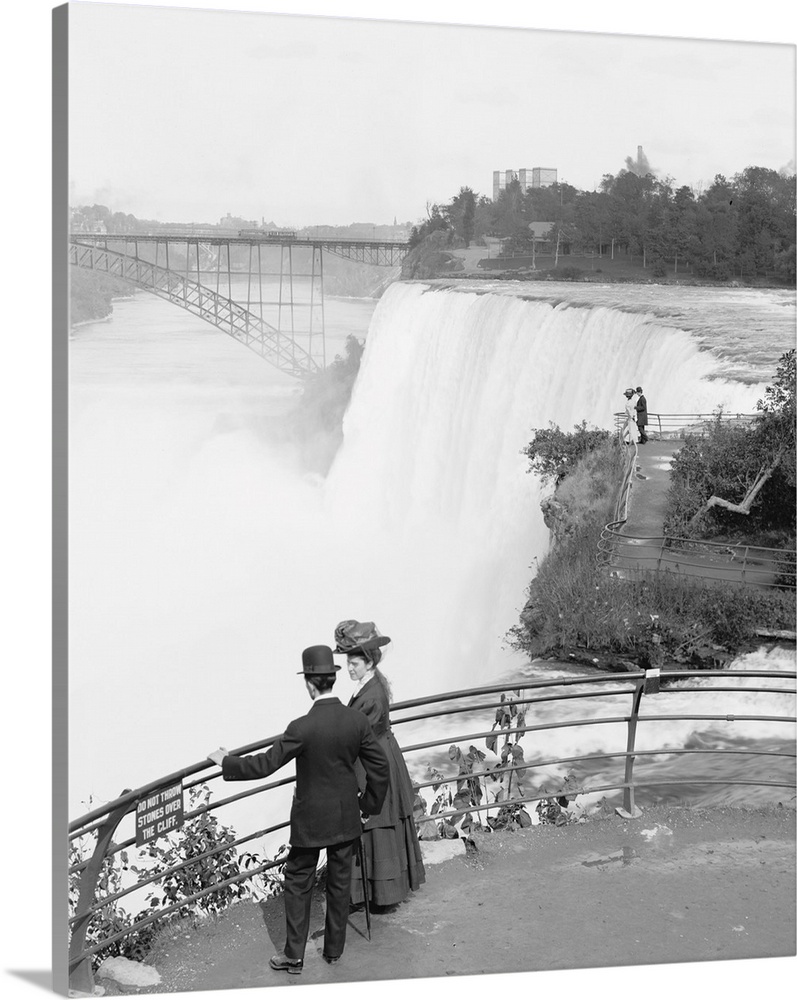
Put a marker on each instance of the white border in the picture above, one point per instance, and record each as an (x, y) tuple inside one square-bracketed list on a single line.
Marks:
[(25, 512)]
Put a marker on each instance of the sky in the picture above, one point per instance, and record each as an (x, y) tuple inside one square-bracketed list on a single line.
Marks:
[(25, 507), (187, 115)]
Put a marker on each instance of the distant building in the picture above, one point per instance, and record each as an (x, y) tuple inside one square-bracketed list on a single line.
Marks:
[(543, 176), (535, 177), (236, 222)]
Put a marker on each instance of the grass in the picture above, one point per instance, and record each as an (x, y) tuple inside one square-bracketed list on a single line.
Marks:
[(573, 603), (624, 267)]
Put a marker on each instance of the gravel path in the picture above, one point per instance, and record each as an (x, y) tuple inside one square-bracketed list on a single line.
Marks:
[(676, 885)]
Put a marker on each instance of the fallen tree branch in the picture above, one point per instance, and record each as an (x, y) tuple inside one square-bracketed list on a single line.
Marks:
[(747, 502)]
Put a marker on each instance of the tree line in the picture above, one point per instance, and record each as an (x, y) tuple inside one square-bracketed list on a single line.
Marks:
[(743, 226)]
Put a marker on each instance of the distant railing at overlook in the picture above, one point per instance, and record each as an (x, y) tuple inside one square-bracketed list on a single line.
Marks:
[(673, 426)]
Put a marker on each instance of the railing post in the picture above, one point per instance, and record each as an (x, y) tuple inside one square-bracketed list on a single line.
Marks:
[(744, 563), (629, 810), (81, 976)]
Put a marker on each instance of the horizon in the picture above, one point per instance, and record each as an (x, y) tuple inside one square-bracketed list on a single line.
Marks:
[(399, 224), (379, 119)]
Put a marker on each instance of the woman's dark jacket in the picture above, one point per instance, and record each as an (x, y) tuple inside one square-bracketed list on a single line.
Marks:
[(372, 701)]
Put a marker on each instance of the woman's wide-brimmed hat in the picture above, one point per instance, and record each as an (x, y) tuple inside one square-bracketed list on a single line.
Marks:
[(353, 637)]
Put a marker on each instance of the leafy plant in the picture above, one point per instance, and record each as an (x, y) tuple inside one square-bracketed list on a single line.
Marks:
[(507, 716), (553, 453), (553, 810), (198, 836)]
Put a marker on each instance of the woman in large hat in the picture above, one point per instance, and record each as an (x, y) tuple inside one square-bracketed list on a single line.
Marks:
[(394, 865)]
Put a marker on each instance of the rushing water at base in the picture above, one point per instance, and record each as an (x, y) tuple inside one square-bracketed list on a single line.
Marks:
[(202, 559), (717, 746)]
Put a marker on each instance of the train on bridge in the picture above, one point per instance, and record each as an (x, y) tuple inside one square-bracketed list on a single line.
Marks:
[(269, 235)]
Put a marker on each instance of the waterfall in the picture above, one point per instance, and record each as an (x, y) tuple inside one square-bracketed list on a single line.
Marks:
[(202, 562), (430, 486)]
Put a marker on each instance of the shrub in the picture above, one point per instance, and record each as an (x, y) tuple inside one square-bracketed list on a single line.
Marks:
[(569, 272), (91, 294), (199, 835), (553, 453), (589, 489)]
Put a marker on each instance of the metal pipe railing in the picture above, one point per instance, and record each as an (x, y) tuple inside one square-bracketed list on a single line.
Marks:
[(102, 823), (755, 565), (675, 425)]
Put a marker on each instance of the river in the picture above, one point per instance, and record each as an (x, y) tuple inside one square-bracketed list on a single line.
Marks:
[(203, 558)]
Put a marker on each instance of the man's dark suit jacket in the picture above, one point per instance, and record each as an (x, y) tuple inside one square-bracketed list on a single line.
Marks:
[(326, 743)]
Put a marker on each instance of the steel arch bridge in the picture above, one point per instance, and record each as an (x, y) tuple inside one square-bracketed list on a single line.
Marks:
[(148, 261)]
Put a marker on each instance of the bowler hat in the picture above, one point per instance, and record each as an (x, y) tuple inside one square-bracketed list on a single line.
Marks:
[(639, 388), (318, 660)]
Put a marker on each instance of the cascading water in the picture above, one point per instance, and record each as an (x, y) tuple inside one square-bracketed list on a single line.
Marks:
[(431, 486), (202, 562)]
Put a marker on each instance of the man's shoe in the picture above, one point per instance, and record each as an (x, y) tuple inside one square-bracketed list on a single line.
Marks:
[(280, 963), (331, 959)]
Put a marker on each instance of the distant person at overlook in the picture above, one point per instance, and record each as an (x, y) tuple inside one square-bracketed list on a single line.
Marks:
[(641, 415), (630, 430)]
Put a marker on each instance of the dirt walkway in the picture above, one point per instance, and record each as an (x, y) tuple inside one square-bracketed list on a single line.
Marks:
[(676, 885), (648, 499)]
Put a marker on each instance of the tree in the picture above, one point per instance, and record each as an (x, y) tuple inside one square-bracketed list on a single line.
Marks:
[(434, 221), (765, 202), (683, 224), (459, 215), (510, 211), (778, 406), (591, 218)]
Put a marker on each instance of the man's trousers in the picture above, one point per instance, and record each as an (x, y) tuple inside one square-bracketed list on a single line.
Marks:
[(300, 869)]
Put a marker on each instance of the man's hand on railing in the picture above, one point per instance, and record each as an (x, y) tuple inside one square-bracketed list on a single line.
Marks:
[(217, 756)]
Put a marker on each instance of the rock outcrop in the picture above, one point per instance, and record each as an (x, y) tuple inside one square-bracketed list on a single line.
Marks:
[(558, 518)]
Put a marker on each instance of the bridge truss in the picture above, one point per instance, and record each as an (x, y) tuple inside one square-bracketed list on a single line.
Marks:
[(275, 307)]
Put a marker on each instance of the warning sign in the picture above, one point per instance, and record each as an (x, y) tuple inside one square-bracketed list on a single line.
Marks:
[(159, 813)]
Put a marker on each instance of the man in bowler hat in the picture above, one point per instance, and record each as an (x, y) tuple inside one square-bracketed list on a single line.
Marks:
[(327, 807), (641, 415)]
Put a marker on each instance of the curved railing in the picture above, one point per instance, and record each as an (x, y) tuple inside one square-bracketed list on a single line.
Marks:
[(673, 426), (99, 829), (752, 565)]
